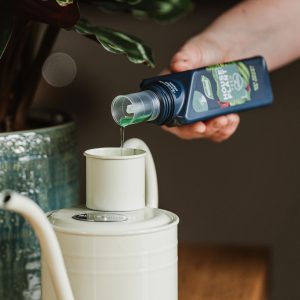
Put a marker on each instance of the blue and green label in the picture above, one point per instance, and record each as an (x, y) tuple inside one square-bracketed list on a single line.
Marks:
[(231, 86), (223, 86), (220, 89)]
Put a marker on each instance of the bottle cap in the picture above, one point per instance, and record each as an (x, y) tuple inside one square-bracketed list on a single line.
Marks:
[(135, 108)]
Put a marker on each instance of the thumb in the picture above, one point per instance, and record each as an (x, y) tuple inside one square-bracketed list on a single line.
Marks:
[(197, 52)]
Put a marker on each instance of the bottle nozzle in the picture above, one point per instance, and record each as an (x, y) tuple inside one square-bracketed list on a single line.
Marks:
[(130, 109), (135, 108)]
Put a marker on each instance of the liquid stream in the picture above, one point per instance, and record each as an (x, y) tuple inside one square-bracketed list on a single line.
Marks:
[(122, 137), (129, 121)]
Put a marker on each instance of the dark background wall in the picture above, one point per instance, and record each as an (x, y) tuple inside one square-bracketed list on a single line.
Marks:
[(243, 191)]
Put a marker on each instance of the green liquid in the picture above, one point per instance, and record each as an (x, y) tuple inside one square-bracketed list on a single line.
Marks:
[(122, 135), (129, 121)]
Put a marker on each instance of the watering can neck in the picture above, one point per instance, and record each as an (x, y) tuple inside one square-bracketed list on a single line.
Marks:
[(151, 187), (121, 179)]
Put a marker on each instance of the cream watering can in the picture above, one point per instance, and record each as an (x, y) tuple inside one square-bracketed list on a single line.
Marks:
[(120, 246)]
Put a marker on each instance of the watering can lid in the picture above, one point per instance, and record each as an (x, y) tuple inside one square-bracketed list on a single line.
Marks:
[(84, 221)]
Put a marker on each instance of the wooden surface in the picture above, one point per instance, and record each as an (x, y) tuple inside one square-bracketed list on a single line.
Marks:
[(222, 273)]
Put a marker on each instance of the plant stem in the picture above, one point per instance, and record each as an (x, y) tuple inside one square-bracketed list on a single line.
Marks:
[(30, 83), (8, 69)]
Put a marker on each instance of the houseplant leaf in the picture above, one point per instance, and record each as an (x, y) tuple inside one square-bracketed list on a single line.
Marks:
[(61, 13), (128, 1), (160, 10), (6, 24), (64, 2), (117, 42)]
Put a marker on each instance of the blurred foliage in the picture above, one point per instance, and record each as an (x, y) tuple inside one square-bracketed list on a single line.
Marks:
[(117, 42), (66, 14), (24, 46)]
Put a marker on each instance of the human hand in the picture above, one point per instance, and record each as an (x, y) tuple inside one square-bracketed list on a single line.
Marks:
[(250, 28), (216, 130), (198, 52)]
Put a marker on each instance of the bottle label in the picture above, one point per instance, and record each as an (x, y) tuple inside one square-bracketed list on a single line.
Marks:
[(233, 83), (224, 85), (199, 102), (207, 87), (224, 88)]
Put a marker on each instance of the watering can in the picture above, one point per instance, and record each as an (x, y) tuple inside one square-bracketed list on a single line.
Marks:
[(120, 246)]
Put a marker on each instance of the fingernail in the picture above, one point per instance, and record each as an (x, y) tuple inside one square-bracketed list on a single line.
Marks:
[(200, 128), (220, 123), (233, 119)]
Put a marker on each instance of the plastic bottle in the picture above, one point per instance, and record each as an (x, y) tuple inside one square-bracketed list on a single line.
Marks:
[(200, 94)]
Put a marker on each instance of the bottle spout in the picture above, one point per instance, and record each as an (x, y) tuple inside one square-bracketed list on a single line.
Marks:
[(135, 108), (15, 202), (130, 109)]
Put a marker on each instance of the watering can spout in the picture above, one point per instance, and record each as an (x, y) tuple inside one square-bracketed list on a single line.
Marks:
[(15, 202)]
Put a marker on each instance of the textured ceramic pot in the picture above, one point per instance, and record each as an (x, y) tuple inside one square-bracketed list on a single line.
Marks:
[(43, 165)]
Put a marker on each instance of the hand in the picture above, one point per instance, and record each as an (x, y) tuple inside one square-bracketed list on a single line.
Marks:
[(217, 129), (250, 28), (197, 52)]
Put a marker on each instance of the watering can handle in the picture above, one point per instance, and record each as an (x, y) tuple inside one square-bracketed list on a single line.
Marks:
[(151, 177), (49, 244)]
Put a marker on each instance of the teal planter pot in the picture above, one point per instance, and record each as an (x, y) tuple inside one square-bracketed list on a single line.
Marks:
[(43, 165)]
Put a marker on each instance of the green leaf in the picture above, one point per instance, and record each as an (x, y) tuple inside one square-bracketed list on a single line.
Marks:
[(160, 10), (131, 2), (6, 24), (117, 42), (49, 12), (64, 2)]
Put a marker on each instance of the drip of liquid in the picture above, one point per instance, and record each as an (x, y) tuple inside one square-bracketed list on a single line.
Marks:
[(122, 137)]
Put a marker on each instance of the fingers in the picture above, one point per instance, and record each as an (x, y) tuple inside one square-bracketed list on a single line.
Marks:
[(188, 57), (198, 52), (165, 72), (221, 128), (216, 130), (188, 132)]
